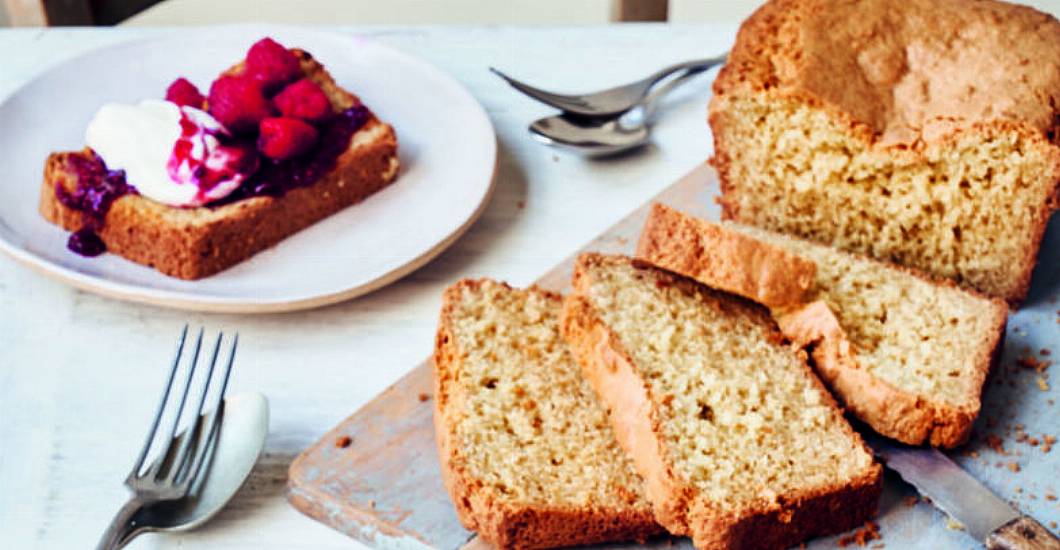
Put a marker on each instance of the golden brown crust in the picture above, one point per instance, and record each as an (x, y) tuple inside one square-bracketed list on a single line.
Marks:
[(903, 76), (904, 70), (678, 506), (688, 246), (890, 411), (478, 508), (198, 242), (725, 260)]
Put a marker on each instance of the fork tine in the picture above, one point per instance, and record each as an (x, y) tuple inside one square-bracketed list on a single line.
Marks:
[(161, 404), (183, 452), (154, 471), (215, 417)]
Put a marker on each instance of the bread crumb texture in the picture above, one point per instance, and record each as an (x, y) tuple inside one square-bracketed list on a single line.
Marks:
[(933, 340), (920, 132), (533, 447), (533, 430), (742, 419)]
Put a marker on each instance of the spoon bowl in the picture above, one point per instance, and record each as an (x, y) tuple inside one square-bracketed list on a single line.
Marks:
[(241, 439), (591, 137)]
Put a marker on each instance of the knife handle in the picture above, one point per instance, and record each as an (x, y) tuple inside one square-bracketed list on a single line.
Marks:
[(1022, 533)]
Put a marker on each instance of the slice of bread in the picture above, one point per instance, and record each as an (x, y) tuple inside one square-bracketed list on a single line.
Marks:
[(906, 354), (739, 444), (527, 453), (921, 132), (192, 243)]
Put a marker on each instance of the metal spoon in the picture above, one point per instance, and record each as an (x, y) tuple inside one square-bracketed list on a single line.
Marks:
[(596, 136), (612, 101), (242, 437)]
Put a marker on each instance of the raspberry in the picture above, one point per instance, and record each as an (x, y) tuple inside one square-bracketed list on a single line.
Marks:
[(304, 100), (283, 138), (184, 93), (238, 103), (271, 64)]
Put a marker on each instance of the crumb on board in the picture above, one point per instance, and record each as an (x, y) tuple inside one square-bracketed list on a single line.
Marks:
[(862, 536), (1047, 443), (1045, 351), (954, 525), (343, 442), (424, 397), (911, 500), (1032, 362), (1050, 497), (1052, 525), (994, 442), (1014, 467), (1042, 384)]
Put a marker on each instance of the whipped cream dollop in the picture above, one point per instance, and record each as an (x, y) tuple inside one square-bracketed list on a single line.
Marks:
[(170, 154)]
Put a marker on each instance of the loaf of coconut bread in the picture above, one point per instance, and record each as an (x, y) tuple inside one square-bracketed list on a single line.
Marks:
[(906, 354), (739, 444), (527, 453), (921, 132)]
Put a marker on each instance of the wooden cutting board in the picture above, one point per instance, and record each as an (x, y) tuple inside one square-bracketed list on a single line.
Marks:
[(376, 475), (384, 488)]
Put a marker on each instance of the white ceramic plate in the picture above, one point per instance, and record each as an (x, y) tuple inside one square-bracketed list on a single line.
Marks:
[(446, 144)]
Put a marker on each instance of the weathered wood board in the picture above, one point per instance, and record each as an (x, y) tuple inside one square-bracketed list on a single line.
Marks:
[(384, 487)]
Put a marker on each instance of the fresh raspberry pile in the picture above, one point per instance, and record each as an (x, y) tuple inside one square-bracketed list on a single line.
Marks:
[(270, 100)]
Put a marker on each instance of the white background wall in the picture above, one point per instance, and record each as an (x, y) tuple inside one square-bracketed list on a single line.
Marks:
[(695, 11)]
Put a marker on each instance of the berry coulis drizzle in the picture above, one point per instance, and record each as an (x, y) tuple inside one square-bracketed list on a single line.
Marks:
[(97, 187)]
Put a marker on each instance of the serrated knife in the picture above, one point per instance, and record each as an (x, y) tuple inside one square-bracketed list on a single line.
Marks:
[(954, 491)]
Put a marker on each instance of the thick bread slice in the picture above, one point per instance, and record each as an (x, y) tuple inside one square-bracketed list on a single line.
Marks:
[(527, 453), (739, 444), (723, 259), (906, 354), (192, 243)]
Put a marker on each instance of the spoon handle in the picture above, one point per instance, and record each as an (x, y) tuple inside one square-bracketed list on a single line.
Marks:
[(121, 528)]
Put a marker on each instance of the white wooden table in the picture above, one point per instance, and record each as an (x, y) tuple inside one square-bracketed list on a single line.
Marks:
[(79, 374)]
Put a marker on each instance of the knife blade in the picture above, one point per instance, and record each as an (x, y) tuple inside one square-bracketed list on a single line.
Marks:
[(954, 491)]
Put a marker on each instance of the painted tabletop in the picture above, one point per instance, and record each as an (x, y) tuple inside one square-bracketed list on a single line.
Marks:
[(79, 373)]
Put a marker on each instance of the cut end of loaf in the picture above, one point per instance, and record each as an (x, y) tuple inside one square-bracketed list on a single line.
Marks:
[(971, 208), (518, 427)]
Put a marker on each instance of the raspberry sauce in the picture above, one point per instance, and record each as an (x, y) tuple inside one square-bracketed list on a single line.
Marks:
[(274, 178), (97, 187), (208, 157), (96, 190)]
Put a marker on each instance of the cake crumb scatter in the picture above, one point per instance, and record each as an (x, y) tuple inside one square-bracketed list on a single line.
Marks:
[(861, 537)]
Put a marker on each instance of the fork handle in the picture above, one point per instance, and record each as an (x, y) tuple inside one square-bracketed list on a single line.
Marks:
[(122, 529)]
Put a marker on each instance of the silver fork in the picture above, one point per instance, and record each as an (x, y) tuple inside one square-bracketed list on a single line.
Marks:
[(181, 458), (612, 101)]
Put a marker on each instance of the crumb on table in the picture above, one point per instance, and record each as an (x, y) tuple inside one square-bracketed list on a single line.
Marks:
[(994, 442), (1031, 362), (862, 536), (343, 442)]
